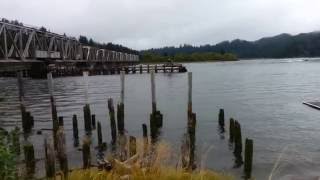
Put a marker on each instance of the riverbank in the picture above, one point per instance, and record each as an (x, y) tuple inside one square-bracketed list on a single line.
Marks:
[(148, 57)]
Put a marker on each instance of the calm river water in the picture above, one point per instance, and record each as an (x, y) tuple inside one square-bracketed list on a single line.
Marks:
[(264, 95)]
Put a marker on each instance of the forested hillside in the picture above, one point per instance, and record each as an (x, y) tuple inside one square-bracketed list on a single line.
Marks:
[(280, 46)]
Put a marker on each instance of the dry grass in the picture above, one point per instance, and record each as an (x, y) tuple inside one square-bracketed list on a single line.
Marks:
[(159, 163)]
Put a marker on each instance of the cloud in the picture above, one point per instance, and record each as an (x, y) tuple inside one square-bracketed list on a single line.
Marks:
[(142, 24)]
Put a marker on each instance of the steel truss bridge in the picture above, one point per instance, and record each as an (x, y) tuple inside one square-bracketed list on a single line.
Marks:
[(22, 45)]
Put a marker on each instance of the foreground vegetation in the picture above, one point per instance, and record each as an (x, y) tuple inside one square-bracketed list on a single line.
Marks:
[(185, 57), (158, 163), (142, 174)]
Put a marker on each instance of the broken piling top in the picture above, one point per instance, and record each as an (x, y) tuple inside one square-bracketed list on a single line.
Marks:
[(153, 92), (122, 86), (85, 77), (50, 83), (189, 92)]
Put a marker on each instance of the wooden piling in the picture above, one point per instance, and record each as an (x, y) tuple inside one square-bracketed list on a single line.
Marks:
[(221, 118), (238, 144), (231, 130), (54, 114), (189, 93), (248, 158), (61, 121), (99, 135), (86, 154), (61, 150), (122, 87), (132, 146), (87, 118), (145, 138), (75, 130), (112, 121), (120, 118), (29, 159), (153, 92), (25, 116), (192, 140), (50, 159), (93, 121)]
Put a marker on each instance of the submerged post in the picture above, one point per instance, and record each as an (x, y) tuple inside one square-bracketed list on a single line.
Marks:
[(248, 158), (112, 121)]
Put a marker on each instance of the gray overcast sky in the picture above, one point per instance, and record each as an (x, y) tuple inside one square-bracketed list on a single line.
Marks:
[(141, 24)]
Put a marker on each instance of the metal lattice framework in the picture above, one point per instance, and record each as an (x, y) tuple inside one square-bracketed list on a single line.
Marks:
[(22, 42)]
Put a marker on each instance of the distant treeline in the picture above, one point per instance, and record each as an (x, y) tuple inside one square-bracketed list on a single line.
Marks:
[(281, 46), (110, 46), (186, 57)]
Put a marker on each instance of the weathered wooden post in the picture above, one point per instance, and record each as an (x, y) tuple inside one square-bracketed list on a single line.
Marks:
[(132, 146), (61, 150), (140, 68), (148, 68), (221, 118), (192, 140), (153, 93), (112, 121), (50, 159), (156, 118), (99, 134), (26, 119), (75, 130), (248, 158), (86, 154), (29, 159), (145, 139), (86, 108), (120, 107), (238, 144), (87, 118), (61, 123), (189, 93), (54, 114), (93, 120), (231, 130)]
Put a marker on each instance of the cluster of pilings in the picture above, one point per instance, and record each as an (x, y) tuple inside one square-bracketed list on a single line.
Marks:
[(123, 145), (235, 140)]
